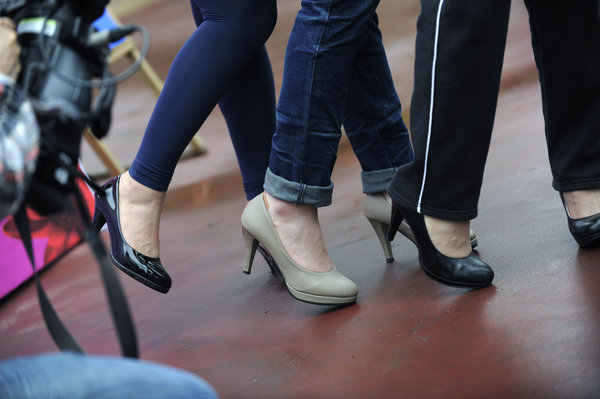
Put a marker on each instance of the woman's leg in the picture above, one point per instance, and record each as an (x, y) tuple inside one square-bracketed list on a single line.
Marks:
[(375, 128), (320, 53), (459, 54), (373, 115), (568, 68), (324, 42), (232, 34), (249, 110)]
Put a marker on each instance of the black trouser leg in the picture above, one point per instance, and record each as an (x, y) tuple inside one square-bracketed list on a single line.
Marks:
[(566, 44), (459, 54)]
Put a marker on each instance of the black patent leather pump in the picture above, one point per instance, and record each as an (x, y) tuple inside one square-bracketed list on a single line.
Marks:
[(470, 271), (586, 231), (148, 271)]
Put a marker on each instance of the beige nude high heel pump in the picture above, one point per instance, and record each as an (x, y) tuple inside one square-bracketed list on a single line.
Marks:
[(329, 288)]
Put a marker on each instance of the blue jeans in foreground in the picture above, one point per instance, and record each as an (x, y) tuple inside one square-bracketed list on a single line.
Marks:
[(336, 73), (73, 376)]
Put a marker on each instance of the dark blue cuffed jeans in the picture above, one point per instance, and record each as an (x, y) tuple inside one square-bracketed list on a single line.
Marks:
[(336, 73)]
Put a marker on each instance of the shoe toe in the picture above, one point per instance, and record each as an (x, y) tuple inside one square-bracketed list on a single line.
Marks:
[(331, 288), (475, 272)]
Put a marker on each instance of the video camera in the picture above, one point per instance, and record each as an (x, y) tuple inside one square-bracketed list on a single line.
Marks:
[(65, 72)]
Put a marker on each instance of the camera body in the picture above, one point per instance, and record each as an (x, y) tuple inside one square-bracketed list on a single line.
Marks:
[(58, 65), (61, 55)]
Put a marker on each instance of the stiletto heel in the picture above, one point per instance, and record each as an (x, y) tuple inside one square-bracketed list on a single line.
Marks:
[(97, 221), (395, 221), (269, 259), (585, 231), (250, 246), (469, 271), (148, 271), (329, 288), (378, 210), (381, 230)]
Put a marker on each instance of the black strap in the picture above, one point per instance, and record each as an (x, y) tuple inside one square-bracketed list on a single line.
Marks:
[(64, 340), (119, 306)]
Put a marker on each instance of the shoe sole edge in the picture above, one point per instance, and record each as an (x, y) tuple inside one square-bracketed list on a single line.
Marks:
[(320, 299), (450, 283), (139, 278)]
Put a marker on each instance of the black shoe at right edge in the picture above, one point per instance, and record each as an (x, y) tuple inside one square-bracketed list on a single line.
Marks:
[(586, 230), (148, 271), (469, 272)]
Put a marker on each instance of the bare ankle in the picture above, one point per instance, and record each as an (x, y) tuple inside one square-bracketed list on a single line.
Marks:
[(450, 237), (139, 215), (134, 192), (281, 208), (582, 203), (300, 233)]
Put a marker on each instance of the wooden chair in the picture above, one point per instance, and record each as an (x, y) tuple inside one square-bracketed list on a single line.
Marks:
[(126, 47)]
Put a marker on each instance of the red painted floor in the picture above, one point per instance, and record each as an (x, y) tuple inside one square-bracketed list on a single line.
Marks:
[(534, 334)]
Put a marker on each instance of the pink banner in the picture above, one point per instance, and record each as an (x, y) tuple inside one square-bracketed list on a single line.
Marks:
[(52, 236)]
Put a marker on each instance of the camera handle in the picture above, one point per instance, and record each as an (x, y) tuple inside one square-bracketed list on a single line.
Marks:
[(119, 306)]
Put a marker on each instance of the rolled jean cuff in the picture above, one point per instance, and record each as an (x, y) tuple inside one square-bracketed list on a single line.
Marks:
[(297, 193), (377, 181)]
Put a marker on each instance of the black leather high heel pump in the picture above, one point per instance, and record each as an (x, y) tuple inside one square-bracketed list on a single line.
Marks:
[(148, 271), (586, 231), (469, 271)]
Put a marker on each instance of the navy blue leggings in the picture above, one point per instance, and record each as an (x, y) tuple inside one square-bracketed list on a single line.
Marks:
[(224, 61)]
